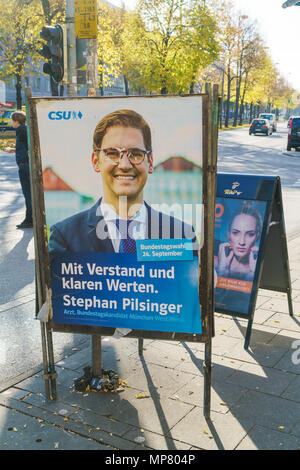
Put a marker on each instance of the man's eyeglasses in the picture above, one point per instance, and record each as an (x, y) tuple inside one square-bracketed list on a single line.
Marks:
[(135, 155)]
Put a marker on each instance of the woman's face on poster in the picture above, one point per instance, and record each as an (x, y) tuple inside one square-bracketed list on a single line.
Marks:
[(242, 234)]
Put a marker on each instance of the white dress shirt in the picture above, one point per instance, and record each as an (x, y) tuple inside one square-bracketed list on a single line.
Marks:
[(137, 224)]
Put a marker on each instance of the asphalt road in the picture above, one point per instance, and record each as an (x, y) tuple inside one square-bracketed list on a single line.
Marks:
[(265, 155)]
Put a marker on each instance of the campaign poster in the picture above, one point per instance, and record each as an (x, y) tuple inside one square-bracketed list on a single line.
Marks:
[(238, 230), (122, 182)]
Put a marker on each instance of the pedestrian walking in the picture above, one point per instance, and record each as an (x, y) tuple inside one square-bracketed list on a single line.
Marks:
[(22, 159)]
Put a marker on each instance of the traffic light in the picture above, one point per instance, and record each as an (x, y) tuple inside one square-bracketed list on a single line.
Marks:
[(54, 51)]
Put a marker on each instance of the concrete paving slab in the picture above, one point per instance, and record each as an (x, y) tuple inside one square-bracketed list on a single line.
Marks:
[(258, 353), (261, 438), (164, 354), (152, 440), (156, 414), (67, 423), (261, 316), (284, 321), (292, 392), (296, 431), (160, 378), (223, 432), (264, 379), (223, 397), (287, 364), (21, 432), (284, 339), (281, 305), (269, 411)]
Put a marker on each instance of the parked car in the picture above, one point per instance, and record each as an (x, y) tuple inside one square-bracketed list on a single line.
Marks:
[(260, 125), (271, 117), (290, 120), (294, 133), (5, 120)]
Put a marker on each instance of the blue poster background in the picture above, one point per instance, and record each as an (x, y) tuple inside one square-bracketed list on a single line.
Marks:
[(233, 300), (155, 296)]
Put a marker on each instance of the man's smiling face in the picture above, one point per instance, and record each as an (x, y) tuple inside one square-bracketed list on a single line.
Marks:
[(123, 179)]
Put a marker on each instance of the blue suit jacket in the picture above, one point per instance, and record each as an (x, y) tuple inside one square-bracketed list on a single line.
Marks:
[(87, 231)]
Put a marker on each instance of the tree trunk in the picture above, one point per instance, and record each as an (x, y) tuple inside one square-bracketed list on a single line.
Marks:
[(242, 107), (101, 87), (241, 113), (251, 113), (18, 91), (228, 99), (126, 85), (236, 109)]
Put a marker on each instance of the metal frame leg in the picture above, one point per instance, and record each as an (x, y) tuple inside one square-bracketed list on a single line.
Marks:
[(45, 361), (289, 297), (140, 346), (96, 356), (207, 378)]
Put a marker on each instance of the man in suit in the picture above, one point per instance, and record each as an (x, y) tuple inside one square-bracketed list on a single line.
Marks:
[(122, 154)]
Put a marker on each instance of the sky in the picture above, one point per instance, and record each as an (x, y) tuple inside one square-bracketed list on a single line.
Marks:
[(279, 27)]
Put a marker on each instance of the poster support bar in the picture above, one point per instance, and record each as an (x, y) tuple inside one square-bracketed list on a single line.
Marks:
[(207, 378), (38, 211), (140, 346), (288, 287), (96, 356), (206, 253), (290, 304)]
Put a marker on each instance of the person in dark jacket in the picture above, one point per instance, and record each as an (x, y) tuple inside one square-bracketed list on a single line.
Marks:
[(22, 159)]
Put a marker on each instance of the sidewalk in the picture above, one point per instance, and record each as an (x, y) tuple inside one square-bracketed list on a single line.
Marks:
[(255, 394)]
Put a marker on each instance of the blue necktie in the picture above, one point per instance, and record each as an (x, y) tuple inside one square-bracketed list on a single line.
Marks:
[(127, 244)]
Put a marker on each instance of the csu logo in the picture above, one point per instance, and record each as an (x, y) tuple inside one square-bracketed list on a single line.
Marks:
[(66, 115)]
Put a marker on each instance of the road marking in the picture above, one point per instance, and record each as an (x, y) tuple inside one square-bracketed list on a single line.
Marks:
[(297, 183), (278, 170)]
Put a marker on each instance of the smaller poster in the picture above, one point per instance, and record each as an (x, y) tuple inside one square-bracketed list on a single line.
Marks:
[(238, 231)]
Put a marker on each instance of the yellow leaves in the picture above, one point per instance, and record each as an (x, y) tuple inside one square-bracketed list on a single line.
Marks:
[(20, 27), (5, 143), (207, 433)]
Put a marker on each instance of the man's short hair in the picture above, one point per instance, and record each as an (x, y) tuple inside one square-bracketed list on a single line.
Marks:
[(19, 116), (123, 118)]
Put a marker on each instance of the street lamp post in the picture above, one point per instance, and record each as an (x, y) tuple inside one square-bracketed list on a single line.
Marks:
[(72, 75)]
